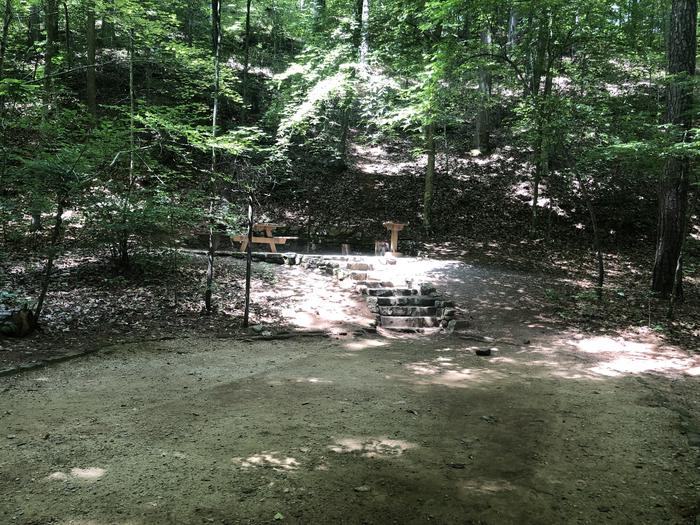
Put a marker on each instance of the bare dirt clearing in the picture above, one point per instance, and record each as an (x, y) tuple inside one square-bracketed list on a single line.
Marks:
[(569, 428)]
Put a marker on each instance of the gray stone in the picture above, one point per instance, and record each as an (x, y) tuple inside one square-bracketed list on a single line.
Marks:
[(409, 322), (390, 292), (373, 305), (359, 266), (449, 313), (410, 311), (426, 288), (258, 328), (413, 300)]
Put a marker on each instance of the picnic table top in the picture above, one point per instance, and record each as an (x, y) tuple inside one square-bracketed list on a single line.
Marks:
[(267, 225)]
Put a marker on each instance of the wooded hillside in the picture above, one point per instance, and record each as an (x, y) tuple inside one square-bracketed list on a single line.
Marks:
[(131, 125)]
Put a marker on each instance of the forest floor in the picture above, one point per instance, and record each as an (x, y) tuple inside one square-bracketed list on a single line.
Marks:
[(558, 425)]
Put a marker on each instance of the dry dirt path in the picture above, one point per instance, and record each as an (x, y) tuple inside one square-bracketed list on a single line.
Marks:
[(570, 428)]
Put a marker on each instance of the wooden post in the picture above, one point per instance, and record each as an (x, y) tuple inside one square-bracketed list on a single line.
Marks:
[(394, 228)]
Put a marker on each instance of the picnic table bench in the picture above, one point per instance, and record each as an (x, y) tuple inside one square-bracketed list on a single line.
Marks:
[(267, 238)]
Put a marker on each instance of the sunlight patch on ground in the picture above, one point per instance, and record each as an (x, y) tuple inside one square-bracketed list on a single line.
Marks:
[(313, 380), (363, 344), (273, 460), (314, 301), (619, 356), (485, 486), (442, 371), (88, 474), (371, 447)]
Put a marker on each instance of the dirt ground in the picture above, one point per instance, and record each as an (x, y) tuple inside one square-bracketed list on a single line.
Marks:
[(555, 426)]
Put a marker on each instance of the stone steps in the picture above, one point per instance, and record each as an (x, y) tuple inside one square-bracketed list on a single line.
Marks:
[(402, 322), (359, 266), (408, 311), (411, 300), (390, 292), (397, 307)]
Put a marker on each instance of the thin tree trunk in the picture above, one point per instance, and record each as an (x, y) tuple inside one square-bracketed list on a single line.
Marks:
[(597, 246), (482, 133), (91, 82), (6, 19), (51, 21), (319, 12), (513, 27), (213, 240), (69, 51), (33, 25), (344, 131), (189, 24), (55, 239), (673, 192), (678, 274), (429, 189), (246, 64), (542, 143), (123, 243), (364, 32), (248, 262), (447, 149)]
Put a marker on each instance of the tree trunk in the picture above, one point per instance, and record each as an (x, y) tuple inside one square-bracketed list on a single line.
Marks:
[(216, 46), (189, 24), (597, 245), (6, 19), (248, 262), (51, 21), (673, 191), (364, 32), (53, 246), (246, 65), (482, 133), (344, 132), (123, 242), (429, 189), (91, 83), (513, 28), (319, 13), (33, 25), (69, 50)]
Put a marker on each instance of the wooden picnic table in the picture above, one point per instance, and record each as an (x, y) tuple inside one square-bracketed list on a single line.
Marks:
[(268, 236)]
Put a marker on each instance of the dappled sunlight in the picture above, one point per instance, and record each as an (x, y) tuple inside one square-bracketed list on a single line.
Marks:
[(313, 380), (618, 356), (110, 521), (377, 161), (273, 460), (86, 474), (363, 344), (372, 447), (315, 302), (485, 486), (444, 372)]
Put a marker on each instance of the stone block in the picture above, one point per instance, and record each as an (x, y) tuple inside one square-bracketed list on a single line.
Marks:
[(359, 266), (409, 322), (373, 305)]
